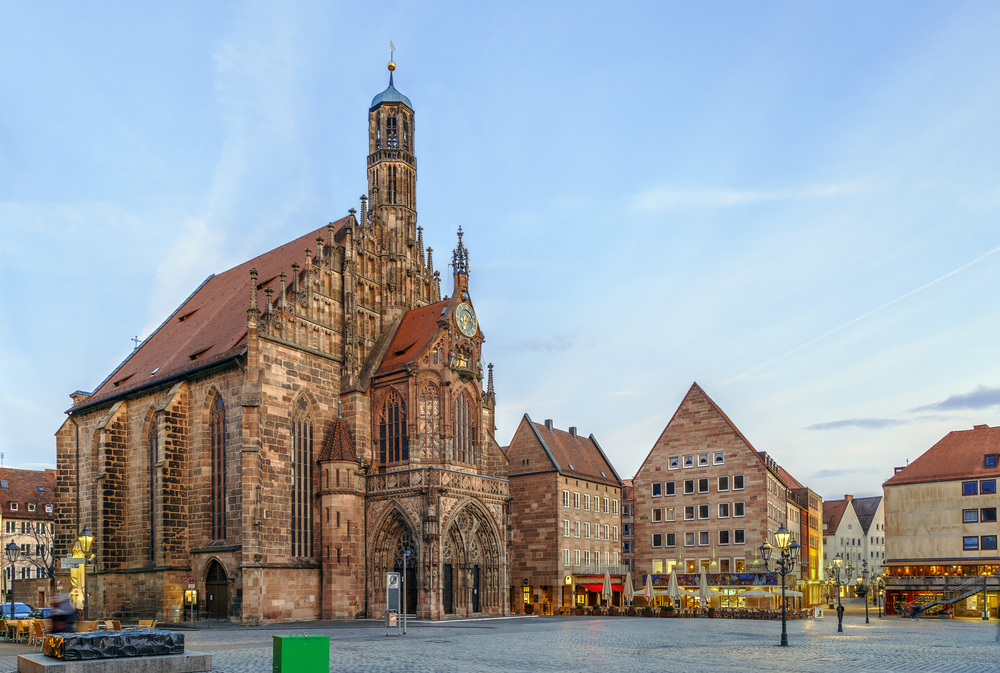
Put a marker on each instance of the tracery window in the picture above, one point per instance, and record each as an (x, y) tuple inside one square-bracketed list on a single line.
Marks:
[(378, 131), (429, 419), (302, 487), (464, 430), (217, 434), (393, 443), (406, 133), (391, 135)]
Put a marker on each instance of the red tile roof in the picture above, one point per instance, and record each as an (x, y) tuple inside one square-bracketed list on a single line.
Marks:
[(22, 488), (959, 455), (627, 489), (577, 456), (790, 481), (338, 444), (414, 335), (833, 512), (211, 323)]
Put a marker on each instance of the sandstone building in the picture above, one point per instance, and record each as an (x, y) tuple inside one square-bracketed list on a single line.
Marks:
[(566, 515), (27, 519), (297, 425), (628, 525)]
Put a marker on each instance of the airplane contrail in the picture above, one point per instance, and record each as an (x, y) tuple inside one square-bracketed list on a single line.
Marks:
[(859, 318)]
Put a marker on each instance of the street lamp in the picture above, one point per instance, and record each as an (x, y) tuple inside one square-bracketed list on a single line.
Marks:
[(85, 540), (13, 553), (788, 550), (839, 571), (864, 587), (879, 583)]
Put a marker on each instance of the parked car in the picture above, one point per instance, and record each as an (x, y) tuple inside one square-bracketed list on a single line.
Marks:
[(41, 613), (21, 610)]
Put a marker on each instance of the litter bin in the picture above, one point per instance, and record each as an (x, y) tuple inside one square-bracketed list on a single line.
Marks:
[(300, 654)]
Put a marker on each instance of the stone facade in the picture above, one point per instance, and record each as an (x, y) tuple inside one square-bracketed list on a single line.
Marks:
[(295, 426), (27, 519)]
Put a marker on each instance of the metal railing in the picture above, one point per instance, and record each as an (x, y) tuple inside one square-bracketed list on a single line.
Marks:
[(600, 569)]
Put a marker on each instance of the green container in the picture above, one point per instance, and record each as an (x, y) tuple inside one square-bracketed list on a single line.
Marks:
[(301, 654)]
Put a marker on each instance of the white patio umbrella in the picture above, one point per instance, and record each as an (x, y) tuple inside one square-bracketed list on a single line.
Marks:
[(673, 590), (704, 593), (629, 590), (606, 592), (755, 593)]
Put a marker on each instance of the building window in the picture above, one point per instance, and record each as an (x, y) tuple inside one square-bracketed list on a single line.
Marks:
[(576, 529), (566, 557), (614, 558), (13, 506), (989, 542), (702, 511), (674, 463), (393, 443), (302, 486), (990, 460), (464, 426), (576, 557), (688, 539), (217, 432), (719, 458), (738, 483), (970, 543), (723, 510), (688, 461), (688, 486), (625, 547), (614, 507), (739, 536), (988, 486), (669, 514), (566, 499), (723, 483), (657, 489), (723, 537), (31, 507), (576, 501), (689, 512), (565, 527), (970, 488), (704, 538), (607, 506), (586, 502), (988, 514), (48, 509), (586, 530), (586, 557), (703, 485), (658, 515), (657, 540), (607, 531), (671, 539), (669, 488), (429, 420), (970, 516), (614, 531), (597, 531), (702, 460)]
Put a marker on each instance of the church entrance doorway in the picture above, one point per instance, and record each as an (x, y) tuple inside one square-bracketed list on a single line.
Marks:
[(475, 588), (411, 588), (447, 597), (217, 590)]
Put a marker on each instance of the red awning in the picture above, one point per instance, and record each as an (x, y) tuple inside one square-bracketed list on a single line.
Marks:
[(598, 588)]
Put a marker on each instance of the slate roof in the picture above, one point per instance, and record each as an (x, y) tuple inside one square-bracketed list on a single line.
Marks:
[(865, 509), (391, 95), (959, 455), (338, 444), (833, 512), (22, 488), (416, 330), (577, 456), (211, 324)]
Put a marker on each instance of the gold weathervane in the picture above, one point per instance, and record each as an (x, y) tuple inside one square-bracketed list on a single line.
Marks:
[(392, 48)]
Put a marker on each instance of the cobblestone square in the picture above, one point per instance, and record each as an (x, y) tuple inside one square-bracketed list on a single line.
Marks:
[(620, 643)]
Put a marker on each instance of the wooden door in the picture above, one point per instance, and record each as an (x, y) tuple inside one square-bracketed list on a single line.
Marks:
[(217, 592), (447, 596)]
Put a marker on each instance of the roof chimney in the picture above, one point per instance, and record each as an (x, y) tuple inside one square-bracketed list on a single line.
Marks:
[(848, 498), (572, 430), (548, 423), (979, 427)]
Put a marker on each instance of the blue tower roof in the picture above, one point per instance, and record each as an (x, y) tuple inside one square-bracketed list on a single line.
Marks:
[(391, 95)]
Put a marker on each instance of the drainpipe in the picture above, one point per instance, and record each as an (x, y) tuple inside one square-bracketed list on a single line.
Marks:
[(77, 441)]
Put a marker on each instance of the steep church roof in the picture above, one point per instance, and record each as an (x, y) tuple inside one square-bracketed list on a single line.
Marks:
[(414, 335), (210, 325), (391, 95), (338, 444)]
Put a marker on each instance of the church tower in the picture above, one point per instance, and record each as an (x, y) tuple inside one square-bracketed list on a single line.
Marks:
[(389, 217)]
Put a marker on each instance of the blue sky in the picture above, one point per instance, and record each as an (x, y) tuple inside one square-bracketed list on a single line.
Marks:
[(793, 205)]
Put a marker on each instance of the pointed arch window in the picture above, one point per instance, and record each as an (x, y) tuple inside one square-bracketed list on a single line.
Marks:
[(302, 475), (393, 444), (391, 132), (464, 429), (406, 133), (378, 131), (217, 434), (152, 443), (429, 420)]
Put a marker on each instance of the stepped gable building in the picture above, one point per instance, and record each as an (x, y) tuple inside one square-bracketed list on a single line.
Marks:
[(941, 526), (566, 514), (296, 426), (705, 499), (27, 519)]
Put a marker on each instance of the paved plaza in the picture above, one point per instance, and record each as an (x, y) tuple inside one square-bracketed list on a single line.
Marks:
[(620, 644)]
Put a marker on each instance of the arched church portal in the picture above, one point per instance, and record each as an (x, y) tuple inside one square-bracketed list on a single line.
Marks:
[(471, 563), (393, 539)]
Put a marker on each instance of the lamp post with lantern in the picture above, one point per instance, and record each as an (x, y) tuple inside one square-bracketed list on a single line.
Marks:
[(864, 587), (13, 552), (788, 549), (85, 540), (840, 573)]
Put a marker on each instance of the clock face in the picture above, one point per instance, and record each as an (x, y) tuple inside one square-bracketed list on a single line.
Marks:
[(465, 318)]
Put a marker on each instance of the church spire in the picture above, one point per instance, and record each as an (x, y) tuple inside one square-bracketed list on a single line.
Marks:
[(460, 257)]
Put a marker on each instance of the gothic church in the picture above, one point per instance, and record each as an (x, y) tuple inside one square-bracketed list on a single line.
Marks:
[(296, 426)]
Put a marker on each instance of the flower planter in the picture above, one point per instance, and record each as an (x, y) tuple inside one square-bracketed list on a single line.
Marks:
[(579, 611), (632, 612)]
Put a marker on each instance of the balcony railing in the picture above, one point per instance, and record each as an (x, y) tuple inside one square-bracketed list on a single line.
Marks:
[(599, 569)]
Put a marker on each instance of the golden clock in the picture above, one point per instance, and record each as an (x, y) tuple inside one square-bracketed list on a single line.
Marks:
[(465, 319)]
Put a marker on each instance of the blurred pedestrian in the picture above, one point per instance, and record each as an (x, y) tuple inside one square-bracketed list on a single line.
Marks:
[(63, 614)]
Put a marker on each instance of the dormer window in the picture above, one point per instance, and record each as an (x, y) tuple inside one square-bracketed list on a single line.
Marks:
[(13, 506), (31, 507), (990, 460)]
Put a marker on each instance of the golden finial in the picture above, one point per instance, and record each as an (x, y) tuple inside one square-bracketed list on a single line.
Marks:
[(392, 48)]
